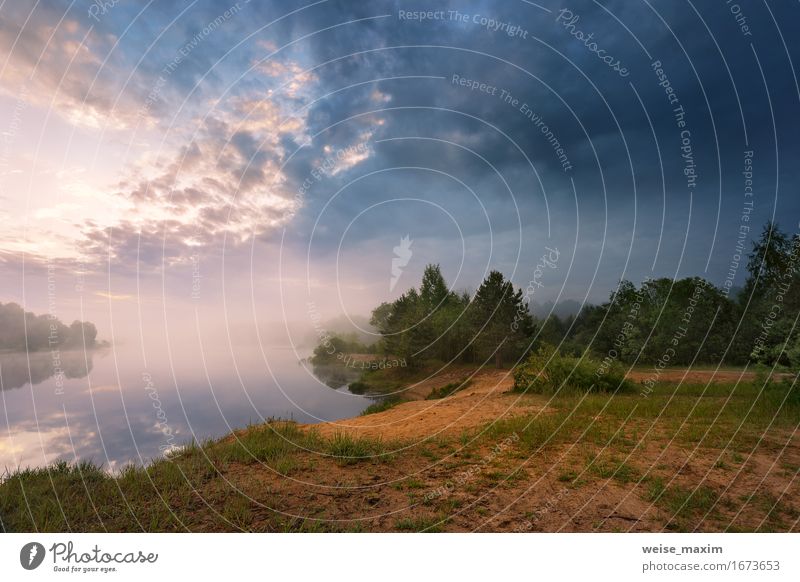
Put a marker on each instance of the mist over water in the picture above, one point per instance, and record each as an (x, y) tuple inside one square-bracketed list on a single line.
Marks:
[(120, 404)]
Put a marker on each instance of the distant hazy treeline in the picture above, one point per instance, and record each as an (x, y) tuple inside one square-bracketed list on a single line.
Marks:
[(663, 321), (23, 330)]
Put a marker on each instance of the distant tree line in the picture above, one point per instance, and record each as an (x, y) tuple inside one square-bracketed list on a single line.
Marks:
[(662, 321), (680, 322), (23, 330)]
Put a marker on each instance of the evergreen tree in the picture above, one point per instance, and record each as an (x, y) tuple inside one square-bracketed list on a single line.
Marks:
[(501, 321)]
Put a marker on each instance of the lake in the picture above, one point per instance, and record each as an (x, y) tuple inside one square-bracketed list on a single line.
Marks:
[(123, 404)]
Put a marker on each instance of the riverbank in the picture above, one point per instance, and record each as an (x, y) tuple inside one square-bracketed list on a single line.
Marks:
[(700, 456)]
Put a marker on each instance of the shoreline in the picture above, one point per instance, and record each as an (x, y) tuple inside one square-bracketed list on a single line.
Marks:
[(484, 458)]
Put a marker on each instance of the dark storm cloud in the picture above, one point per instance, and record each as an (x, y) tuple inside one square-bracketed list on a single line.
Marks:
[(594, 113), (386, 81)]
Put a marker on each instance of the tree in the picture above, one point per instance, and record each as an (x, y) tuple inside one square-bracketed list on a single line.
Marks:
[(770, 301), (433, 292), (767, 261), (81, 333), (23, 330), (676, 322), (501, 320), (552, 330)]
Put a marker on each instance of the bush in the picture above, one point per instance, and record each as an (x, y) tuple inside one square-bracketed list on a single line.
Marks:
[(547, 371), (359, 387), (383, 404), (448, 389), (349, 450)]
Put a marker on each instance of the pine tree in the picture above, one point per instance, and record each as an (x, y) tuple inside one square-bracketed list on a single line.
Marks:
[(500, 318)]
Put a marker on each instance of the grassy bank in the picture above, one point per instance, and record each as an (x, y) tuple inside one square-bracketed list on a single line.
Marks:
[(713, 458), (396, 379), (169, 494)]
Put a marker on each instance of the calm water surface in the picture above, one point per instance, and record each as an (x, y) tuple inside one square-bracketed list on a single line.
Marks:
[(124, 404)]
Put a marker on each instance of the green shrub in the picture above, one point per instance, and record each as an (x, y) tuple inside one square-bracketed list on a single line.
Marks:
[(383, 404), (349, 450), (359, 387), (448, 389), (547, 371)]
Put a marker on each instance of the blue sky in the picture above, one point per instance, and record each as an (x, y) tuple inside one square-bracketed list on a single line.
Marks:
[(279, 151)]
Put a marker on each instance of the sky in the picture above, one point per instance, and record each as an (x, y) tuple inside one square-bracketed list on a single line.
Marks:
[(262, 163)]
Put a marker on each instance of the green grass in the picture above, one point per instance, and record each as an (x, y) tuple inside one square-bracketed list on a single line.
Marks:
[(349, 450), (568, 476), (238, 512), (360, 387), (547, 371), (778, 513), (685, 505), (186, 491), (397, 378), (383, 404), (165, 495), (614, 469), (425, 524), (388, 380), (711, 417), (448, 389), (655, 489)]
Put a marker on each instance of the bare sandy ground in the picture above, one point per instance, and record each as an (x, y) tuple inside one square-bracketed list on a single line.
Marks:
[(487, 398)]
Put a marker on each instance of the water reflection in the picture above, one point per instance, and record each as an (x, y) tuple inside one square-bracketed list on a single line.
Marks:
[(126, 404), (336, 376), (19, 369)]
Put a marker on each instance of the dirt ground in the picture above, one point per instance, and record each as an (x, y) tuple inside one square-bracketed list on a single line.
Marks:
[(461, 489), (487, 398), (517, 493)]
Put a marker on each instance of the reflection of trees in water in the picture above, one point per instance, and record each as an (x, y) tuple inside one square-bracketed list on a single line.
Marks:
[(336, 376), (18, 368)]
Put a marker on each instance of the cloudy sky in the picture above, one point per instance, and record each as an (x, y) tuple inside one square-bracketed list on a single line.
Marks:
[(261, 161)]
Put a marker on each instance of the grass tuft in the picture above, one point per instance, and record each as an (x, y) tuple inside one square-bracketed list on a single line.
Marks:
[(449, 389), (383, 404), (349, 450)]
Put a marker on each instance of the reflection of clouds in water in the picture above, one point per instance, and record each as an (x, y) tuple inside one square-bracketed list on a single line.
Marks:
[(34, 447), (52, 437), (108, 416), (103, 388), (18, 368), (48, 438)]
